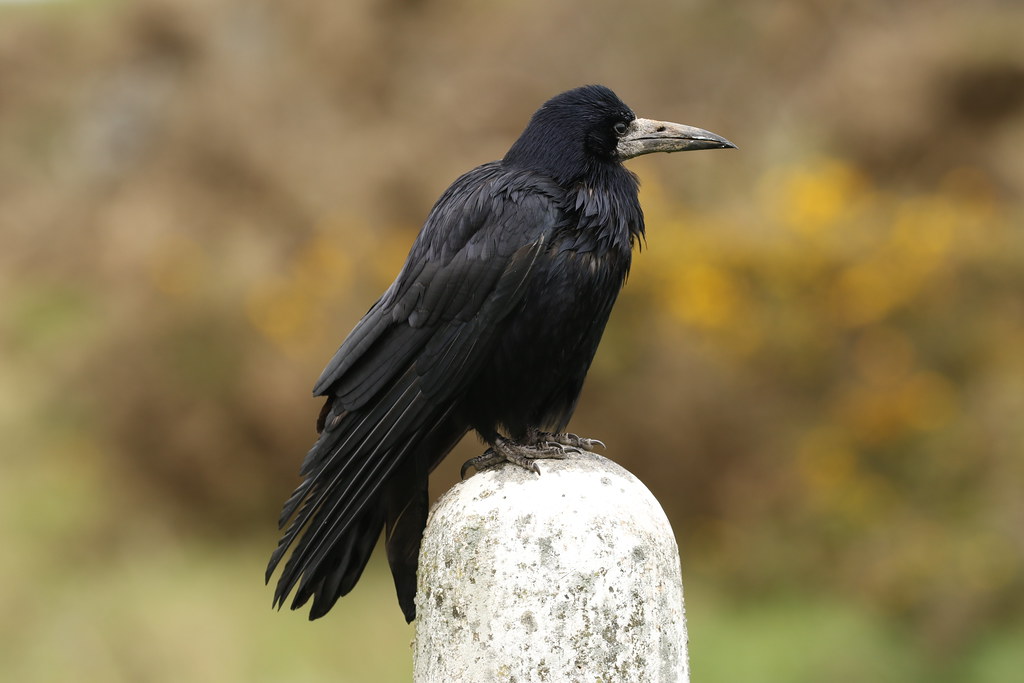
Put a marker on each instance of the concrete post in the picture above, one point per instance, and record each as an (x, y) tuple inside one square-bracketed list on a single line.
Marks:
[(568, 576)]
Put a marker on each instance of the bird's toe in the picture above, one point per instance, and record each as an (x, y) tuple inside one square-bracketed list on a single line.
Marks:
[(573, 442)]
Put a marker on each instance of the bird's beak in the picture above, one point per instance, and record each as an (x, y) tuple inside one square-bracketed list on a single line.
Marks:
[(646, 136)]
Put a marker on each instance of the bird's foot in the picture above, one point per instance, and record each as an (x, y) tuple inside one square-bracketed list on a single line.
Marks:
[(572, 442), (543, 446)]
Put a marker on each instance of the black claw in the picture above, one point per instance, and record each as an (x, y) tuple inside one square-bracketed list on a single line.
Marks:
[(480, 462)]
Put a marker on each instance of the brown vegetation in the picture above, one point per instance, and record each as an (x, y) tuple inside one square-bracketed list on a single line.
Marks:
[(817, 364)]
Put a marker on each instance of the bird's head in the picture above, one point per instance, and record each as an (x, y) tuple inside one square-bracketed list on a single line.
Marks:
[(575, 133)]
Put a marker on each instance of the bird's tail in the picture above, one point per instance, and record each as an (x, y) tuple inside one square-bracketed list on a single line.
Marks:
[(353, 488)]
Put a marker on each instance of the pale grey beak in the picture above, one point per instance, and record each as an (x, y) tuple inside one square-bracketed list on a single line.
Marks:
[(646, 136)]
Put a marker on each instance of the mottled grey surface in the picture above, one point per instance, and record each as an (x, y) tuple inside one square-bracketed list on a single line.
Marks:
[(568, 576)]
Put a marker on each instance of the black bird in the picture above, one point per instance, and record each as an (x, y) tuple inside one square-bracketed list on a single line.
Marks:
[(491, 325)]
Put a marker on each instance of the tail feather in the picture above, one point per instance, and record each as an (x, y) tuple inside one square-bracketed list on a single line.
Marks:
[(403, 535), (373, 469), (353, 487), (310, 556), (348, 561), (323, 479), (408, 503)]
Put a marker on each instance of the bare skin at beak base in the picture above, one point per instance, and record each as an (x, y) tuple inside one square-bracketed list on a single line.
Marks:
[(646, 136)]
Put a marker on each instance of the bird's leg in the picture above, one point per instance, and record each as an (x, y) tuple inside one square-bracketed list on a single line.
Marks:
[(537, 446)]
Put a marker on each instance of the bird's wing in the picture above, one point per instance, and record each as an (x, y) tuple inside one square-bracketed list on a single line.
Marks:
[(482, 235), (395, 379)]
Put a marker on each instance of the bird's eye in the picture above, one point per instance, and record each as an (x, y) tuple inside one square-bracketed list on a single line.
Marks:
[(620, 128)]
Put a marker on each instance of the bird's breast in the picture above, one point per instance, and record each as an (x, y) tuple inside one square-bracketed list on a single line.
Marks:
[(546, 344)]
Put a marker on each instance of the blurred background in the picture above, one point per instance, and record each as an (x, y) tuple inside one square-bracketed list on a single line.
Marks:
[(817, 364)]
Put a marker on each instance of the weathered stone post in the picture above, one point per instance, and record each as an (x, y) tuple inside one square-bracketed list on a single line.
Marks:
[(568, 576)]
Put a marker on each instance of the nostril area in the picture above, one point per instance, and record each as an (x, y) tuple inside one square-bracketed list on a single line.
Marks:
[(659, 129)]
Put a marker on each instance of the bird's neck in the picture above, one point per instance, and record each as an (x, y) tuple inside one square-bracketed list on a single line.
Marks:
[(607, 205)]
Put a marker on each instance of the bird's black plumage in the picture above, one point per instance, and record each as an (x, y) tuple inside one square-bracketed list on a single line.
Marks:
[(490, 326)]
